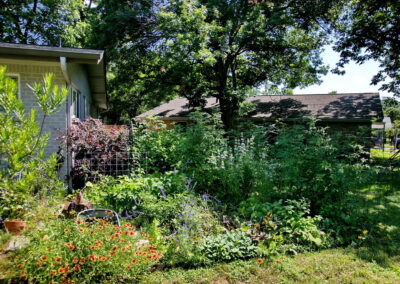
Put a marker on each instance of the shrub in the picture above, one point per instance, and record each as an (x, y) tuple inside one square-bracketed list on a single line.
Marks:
[(84, 252), (25, 174), (289, 219), (96, 150), (228, 247)]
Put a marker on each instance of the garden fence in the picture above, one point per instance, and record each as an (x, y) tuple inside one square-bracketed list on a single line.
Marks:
[(111, 163)]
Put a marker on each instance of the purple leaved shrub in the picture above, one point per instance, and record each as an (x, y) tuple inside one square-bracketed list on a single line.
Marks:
[(96, 149)]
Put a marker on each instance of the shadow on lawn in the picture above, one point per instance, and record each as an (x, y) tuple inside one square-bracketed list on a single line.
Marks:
[(382, 204)]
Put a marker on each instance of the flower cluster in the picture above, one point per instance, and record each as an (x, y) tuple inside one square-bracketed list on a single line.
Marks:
[(68, 251)]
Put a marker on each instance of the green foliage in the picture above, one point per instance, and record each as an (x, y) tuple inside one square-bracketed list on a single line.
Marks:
[(289, 220), (366, 31), (154, 146), (84, 252), (25, 175), (46, 22), (228, 246), (198, 49), (260, 166)]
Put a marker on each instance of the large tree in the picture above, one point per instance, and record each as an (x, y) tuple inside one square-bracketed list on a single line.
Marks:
[(370, 30), (219, 48), (45, 22)]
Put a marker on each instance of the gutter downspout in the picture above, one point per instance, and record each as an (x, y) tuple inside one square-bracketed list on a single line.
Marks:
[(64, 69)]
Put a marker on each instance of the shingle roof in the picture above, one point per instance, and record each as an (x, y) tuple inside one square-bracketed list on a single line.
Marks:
[(355, 106)]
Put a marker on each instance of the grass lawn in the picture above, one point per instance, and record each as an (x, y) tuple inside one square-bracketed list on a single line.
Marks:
[(335, 265), (377, 261)]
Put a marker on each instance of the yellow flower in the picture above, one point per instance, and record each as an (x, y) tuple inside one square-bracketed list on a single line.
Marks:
[(360, 237), (365, 232)]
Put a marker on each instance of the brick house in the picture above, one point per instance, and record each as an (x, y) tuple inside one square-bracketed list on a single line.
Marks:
[(81, 70)]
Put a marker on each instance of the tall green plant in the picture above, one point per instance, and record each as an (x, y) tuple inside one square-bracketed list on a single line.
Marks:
[(24, 172)]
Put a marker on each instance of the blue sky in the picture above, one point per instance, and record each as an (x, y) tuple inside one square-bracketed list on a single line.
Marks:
[(357, 78)]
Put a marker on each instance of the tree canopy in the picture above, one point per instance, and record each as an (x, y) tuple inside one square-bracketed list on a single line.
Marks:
[(45, 22), (198, 49), (369, 29)]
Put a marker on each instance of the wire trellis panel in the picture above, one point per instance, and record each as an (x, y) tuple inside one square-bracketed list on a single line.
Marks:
[(112, 163)]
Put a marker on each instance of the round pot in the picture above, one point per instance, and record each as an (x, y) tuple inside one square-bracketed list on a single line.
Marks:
[(14, 226)]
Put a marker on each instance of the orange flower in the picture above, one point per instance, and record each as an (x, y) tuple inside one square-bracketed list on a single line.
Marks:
[(43, 257), (81, 230), (133, 261), (61, 270), (66, 268), (129, 267), (113, 253), (66, 230), (100, 227), (123, 249), (39, 263), (53, 273), (71, 247), (121, 240), (79, 222), (92, 247), (75, 260), (23, 277), (77, 267), (127, 225), (277, 261), (43, 237), (260, 260), (155, 257), (57, 258), (83, 260), (114, 248), (92, 257), (99, 242), (146, 235), (103, 258), (132, 233), (20, 265), (51, 282)]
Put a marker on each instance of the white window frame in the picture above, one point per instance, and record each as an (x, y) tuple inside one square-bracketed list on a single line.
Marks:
[(18, 77)]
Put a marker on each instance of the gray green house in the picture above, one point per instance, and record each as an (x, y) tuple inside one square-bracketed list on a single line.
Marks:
[(81, 70)]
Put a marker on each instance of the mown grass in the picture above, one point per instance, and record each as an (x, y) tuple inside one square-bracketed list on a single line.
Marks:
[(327, 266)]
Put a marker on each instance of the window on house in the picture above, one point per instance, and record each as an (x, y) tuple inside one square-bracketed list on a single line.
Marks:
[(78, 105)]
